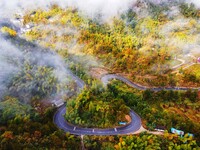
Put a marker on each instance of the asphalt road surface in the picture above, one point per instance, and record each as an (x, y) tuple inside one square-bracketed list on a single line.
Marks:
[(61, 122), (59, 119), (106, 78), (132, 127)]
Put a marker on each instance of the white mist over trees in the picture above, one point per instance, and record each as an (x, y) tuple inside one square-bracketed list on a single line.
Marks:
[(196, 2), (7, 68), (33, 69), (105, 8)]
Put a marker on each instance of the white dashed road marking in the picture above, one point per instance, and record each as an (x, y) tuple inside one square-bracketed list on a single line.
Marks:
[(115, 129)]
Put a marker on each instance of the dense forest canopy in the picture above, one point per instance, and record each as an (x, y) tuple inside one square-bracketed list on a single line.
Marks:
[(154, 43)]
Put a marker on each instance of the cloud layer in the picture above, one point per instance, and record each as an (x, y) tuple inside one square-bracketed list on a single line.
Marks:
[(93, 8), (105, 8)]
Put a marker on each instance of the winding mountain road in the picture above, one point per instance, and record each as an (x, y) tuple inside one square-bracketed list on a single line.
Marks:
[(106, 78), (132, 127), (59, 119), (179, 65), (61, 122)]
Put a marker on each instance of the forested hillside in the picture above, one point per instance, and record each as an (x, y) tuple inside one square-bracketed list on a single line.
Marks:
[(59, 52), (147, 46)]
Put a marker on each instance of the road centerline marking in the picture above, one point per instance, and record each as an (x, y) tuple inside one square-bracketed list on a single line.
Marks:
[(115, 129)]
